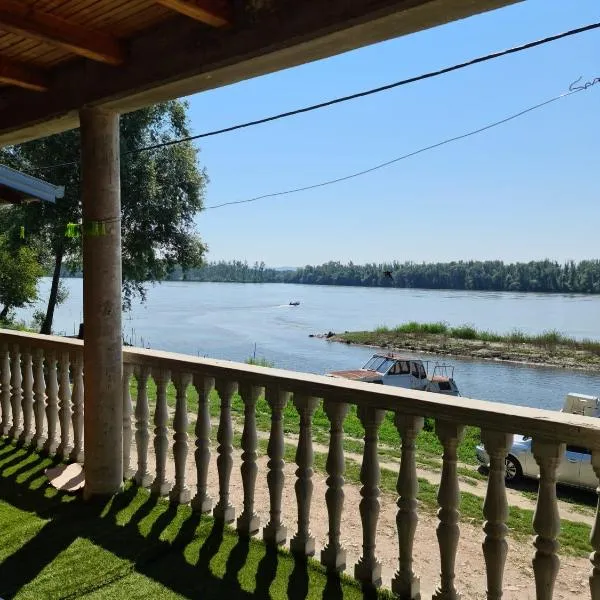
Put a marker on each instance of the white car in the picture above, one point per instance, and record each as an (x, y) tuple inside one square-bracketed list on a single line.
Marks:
[(574, 469)]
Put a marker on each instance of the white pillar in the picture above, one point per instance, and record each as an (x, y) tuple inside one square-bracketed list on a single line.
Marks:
[(103, 351)]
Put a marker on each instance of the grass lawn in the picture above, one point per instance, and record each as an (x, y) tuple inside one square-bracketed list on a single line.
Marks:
[(134, 546)]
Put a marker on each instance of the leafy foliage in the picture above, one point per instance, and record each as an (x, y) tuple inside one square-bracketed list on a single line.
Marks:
[(534, 276), (161, 192), (19, 272)]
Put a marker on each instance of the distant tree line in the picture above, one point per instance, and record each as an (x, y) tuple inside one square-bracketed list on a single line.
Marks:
[(535, 276)]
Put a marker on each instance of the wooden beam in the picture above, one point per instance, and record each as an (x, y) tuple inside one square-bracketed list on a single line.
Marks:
[(182, 57), (211, 12), (16, 73), (23, 19)]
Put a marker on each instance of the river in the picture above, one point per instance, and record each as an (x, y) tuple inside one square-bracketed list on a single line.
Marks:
[(226, 320)]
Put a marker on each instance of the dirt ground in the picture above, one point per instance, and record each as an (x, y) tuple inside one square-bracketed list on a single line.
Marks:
[(572, 581)]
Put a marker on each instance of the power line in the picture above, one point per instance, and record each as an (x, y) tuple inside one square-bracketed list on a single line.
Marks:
[(410, 154), (364, 93)]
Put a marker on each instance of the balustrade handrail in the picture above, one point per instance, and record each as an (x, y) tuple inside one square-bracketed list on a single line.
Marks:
[(551, 425)]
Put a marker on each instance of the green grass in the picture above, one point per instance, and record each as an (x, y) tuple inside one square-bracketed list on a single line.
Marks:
[(548, 340), (135, 546)]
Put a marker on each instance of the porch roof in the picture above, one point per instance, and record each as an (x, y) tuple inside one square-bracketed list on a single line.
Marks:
[(17, 187), (57, 56)]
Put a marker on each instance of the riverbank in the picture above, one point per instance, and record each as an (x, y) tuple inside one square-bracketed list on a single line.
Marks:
[(548, 349)]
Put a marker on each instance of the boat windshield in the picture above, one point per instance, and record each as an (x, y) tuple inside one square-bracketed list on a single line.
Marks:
[(373, 363), (379, 364)]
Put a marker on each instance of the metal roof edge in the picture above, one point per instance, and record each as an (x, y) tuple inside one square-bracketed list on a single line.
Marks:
[(28, 184)]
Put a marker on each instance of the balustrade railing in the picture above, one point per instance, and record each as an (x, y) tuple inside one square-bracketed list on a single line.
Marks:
[(42, 404)]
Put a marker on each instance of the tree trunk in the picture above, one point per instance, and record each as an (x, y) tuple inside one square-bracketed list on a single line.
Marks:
[(47, 324), (4, 313)]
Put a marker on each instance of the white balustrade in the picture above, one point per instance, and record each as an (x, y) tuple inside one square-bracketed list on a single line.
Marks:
[(303, 543), (51, 443), (128, 472), (202, 502), (27, 401), (77, 400), (181, 492), (142, 476), (595, 536), (224, 510), (5, 389), (495, 511), (333, 556), (448, 531), (546, 520), (368, 569), (39, 398), (275, 532), (64, 411), (16, 393), (161, 486), (248, 522), (406, 584)]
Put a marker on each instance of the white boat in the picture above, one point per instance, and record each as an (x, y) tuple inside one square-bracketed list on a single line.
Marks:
[(401, 371)]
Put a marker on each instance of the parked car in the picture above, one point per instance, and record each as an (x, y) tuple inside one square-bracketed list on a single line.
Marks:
[(574, 469)]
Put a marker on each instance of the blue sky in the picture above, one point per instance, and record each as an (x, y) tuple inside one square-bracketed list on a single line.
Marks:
[(526, 190)]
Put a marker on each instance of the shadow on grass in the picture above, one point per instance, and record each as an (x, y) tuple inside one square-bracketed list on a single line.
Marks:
[(131, 537)]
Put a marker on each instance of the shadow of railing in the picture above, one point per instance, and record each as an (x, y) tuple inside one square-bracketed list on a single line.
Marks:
[(150, 537)]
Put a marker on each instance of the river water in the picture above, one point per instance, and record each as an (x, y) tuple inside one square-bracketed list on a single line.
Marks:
[(226, 320)]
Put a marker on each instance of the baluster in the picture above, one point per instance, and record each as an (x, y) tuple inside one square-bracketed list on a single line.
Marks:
[(5, 389), (181, 492), (495, 511), (64, 412), (406, 584), (39, 398), (142, 477), (248, 522), (202, 502), (333, 556), (127, 410), (160, 485), (16, 395), (448, 531), (51, 403), (27, 403), (368, 569), (303, 543), (224, 511), (275, 532), (546, 520), (595, 536), (77, 416)]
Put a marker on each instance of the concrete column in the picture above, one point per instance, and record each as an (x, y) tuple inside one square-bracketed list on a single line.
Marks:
[(103, 352)]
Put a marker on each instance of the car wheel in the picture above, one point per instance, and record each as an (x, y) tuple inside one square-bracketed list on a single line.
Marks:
[(513, 469)]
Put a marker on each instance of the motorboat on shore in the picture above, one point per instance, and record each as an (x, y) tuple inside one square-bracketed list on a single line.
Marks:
[(401, 371)]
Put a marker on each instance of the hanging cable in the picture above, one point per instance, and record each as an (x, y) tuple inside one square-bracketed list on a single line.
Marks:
[(363, 94), (410, 154)]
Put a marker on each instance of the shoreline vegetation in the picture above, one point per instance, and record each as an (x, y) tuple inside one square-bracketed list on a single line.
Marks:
[(550, 348), (541, 276)]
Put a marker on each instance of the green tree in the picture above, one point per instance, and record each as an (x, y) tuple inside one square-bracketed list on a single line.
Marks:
[(161, 192), (19, 273)]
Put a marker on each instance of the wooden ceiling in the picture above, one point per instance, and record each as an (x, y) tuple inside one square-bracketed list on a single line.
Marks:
[(36, 35), (59, 55)]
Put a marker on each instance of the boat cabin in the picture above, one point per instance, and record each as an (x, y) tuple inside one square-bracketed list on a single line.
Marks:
[(401, 371)]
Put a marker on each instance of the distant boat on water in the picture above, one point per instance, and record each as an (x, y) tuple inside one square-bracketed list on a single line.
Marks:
[(294, 303)]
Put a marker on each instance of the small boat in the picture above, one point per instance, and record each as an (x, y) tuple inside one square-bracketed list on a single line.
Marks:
[(401, 371), (295, 303)]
